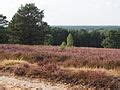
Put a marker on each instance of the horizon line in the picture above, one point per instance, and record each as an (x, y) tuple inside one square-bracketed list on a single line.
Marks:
[(86, 25)]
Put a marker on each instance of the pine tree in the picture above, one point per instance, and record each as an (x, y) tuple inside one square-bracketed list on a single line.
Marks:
[(27, 26)]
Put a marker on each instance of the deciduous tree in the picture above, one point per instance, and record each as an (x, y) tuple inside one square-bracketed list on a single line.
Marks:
[(70, 40)]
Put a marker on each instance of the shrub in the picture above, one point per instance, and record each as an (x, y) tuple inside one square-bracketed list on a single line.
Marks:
[(20, 71), (7, 69), (63, 45), (1, 67), (26, 65), (38, 58), (36, 71), (61, 58)]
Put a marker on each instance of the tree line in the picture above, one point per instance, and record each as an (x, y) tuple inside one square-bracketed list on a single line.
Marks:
[(27, 27), (86, 38)]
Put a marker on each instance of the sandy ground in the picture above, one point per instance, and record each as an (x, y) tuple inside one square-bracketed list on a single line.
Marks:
[(12, 82), (15, 83)]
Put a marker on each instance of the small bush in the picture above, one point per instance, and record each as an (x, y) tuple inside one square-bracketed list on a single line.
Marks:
[(34, 72), (38, 58), (8, 69), (1, 67), (61, 58), (26, 65), (20, 71), (63, 45)]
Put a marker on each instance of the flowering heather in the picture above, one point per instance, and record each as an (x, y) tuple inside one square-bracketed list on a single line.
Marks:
[(81, 53), (53, 64), (76, 57)]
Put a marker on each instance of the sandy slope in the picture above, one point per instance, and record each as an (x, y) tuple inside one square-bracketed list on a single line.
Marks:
[(11, 82)]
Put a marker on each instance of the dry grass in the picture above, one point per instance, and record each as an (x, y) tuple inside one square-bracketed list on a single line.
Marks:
[(113, 72), (12, 62)]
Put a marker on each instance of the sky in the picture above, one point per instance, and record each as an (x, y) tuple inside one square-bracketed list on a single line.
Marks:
[(70, 12)]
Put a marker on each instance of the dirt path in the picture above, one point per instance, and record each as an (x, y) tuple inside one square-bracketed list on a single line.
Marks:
[(12, 83), (25, 83)]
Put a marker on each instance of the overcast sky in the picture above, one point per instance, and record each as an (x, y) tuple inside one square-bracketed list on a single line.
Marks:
[(70, 12)]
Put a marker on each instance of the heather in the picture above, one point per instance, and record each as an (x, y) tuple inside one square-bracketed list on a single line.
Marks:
[(90, 67), (73, 57), (53, 73)]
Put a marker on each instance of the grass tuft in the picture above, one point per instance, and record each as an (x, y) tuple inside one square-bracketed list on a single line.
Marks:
[(12, 62)]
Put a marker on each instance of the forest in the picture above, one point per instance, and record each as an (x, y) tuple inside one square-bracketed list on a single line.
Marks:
[(27, 27)]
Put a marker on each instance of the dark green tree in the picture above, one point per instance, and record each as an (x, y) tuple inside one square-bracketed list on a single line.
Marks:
[(81, 38), (48, 40), (3, 29), (59, 35), (95, 39), (112, 39), (84, 38), (27, 26)]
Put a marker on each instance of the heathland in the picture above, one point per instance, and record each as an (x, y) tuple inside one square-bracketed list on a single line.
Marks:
[(90, 67), (31, 48)]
